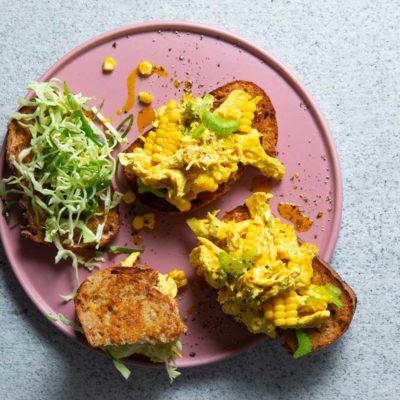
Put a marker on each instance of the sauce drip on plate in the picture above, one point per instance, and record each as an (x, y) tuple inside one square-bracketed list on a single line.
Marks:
[(160, 70), (145, 117), (131, 86), (292, 213)]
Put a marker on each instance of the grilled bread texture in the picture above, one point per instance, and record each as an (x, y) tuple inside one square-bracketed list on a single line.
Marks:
[(340, 318), (122, 306)]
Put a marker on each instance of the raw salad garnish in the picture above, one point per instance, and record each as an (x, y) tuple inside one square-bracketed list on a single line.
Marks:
[(66, 171), (160, 353)]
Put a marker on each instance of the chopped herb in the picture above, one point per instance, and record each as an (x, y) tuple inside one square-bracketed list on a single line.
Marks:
[(198, 131), (117, 250), (220, 125), (88, 129), (129, 119), (304, 344), (331, 292)]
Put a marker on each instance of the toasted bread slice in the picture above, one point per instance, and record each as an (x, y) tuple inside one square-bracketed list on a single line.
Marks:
[(18, 138), (340, 318), (119, 306), (264, 121)]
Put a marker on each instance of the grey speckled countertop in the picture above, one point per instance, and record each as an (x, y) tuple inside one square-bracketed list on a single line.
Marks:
[(348, 56)]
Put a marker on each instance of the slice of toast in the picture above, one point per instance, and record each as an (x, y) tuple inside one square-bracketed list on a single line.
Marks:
[(264, 121), (340, 318), (120, 305), (18, 138)]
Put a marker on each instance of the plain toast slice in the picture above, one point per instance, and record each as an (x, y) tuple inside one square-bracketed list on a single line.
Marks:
[(120, 306)]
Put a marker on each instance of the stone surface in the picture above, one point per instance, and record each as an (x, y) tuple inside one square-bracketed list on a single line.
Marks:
[(347, 55)]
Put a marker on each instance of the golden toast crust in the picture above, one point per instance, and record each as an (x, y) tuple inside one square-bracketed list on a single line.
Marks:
[(120, 305)]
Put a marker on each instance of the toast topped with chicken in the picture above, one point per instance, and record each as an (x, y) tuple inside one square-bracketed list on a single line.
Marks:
[(199, 147), (268, 280), (340, 317)]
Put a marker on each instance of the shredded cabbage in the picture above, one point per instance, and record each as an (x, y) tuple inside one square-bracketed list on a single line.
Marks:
[(162, 352), (61, 318), (67, 170)]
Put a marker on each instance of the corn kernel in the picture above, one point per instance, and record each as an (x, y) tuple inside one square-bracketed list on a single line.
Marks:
[(205, 183), (129, 197), (156, 158), (145, 97), (109, 64), (279, 307), (174, 116), (280, 322), (269, 314), (138, 222), (149, 220), (157, 148), (171, 105), (167, 152), (280, 315), (163, 120), (151, 135), (291, 307), (291, 300), (278, 301), (290, 321), (248, 115), (291, 314), (245, 121), (244, 128), (251, 107), (179, 277), (217, 175), (145, 68)]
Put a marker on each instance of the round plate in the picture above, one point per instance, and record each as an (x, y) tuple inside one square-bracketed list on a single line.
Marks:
[(209, 58)]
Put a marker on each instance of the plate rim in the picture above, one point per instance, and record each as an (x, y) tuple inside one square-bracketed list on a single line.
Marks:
[(266, 57)]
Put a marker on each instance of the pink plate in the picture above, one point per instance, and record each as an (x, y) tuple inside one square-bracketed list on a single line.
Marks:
[(209, 58)]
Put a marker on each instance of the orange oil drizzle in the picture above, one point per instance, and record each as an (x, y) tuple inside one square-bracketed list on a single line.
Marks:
[(131, 86), (292, 213), (145, 117), (160, 70)]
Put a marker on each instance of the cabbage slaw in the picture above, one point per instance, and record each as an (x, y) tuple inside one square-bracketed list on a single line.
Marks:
[(66, 171), (158, 353)]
